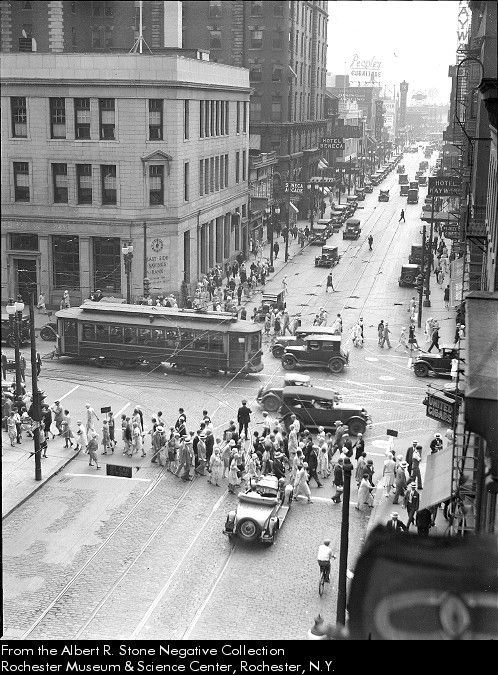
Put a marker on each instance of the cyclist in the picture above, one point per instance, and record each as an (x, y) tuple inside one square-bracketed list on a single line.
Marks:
[(324, 555)]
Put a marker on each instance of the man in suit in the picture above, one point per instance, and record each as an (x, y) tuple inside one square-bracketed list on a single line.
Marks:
[(412, 501), (409, 456), (313, 464), (400, 482), (243, 418), (394, 524)]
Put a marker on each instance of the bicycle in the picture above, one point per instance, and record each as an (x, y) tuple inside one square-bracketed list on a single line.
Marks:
[(323, 576)]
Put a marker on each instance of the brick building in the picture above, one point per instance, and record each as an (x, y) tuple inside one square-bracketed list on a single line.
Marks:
[(102, 150)]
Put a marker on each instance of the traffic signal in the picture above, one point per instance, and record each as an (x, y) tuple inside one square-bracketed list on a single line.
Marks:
[(419, 283), (146, 286)]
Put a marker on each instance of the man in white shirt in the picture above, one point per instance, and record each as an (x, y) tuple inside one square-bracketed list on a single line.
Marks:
[(324, 556), (296, 424)]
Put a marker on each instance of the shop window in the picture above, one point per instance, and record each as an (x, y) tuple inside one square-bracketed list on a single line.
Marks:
[(60, 183), (24, 242), (66, 262), (107, 264), (155, 119), (107, 119), (108, 183), (84, 183), (19, 116), (21, 181), (57, 118), (156, 186), (81, 118)]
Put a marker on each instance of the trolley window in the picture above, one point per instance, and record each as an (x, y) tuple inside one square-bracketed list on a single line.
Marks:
[(157, 338), (130, 336), (255, 342), (216, 342), (89, 332), (70, 328), (144, 336), (187, 338), (102, 332), (172, 338), (202, 341), (116, 335)]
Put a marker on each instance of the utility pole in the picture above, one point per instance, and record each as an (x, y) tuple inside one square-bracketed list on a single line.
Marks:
[(421, 291), (427, 276), (289, 139), (343, 555), (349, 177), (36, 411)]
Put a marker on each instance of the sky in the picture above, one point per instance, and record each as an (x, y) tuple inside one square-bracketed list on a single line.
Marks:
[(415, 41)]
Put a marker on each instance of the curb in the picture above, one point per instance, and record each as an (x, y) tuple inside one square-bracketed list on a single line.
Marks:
[(40, 485)]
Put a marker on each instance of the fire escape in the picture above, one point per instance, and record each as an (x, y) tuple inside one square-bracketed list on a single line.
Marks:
[(467, 446)]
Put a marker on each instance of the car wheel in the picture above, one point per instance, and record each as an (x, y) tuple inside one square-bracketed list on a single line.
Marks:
[(356, 427), (248, 529), (271, 403), (421, 369), (289, 362), (336, 365), (278, 351), (47, 334)]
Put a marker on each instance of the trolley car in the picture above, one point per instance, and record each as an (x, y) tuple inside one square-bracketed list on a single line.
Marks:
[(122, 335)]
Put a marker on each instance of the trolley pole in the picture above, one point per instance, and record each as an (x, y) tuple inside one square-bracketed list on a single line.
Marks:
[(36, 412), (343, 555)]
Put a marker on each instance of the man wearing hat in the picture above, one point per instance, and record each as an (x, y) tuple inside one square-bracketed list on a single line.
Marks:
[(243, 418), (58, 411), (415, 472), (400, 482), (90, 415), (395, 524), (278, 467), (313, 465), (411, 501), (359, 446), (436, 444), (409, 455)]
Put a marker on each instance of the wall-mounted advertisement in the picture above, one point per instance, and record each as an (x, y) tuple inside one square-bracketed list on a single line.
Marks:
[(364, 71)]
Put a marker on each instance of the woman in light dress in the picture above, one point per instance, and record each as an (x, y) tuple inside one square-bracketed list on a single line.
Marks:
[(301, 483), (364, 493), (388, 473), (215, 464)]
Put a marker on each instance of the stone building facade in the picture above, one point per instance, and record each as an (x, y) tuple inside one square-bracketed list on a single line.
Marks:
[(100, 151)]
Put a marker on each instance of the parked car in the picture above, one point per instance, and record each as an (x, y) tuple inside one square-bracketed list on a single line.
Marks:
[(320, 232), (415, 257), (261, 510), (384, 196), (317, 407), (408, 275), (400, 168), (403, 179), (412, 196), (437, 364), (352, 201), (318, 351), (352, 229), (368, 188), (403, 190), (422, 180), (282, 342), (329, 257), (360, 193)]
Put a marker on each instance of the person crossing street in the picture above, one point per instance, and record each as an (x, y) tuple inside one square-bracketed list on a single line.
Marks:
[(402, 216)]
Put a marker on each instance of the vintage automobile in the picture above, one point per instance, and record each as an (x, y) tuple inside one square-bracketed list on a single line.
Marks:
[(422, 180), (384, 196), (353, 201), (412, 196), (261, 510), (403, 190), (321, 231), (352, 230), (360, 194), (400, 168), (328, 258), (269, 301), (415, 257), (408, 275), (438, 364), (270, 397), (403, 179), (423, 165), (317, 351), (7, 337), (368, 187), (282, 342), (317, 406)]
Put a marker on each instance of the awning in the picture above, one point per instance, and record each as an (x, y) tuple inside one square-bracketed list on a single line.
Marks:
[(437, 482)]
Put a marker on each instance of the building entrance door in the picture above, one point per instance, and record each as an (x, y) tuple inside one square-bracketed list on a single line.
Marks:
[(25, 277)]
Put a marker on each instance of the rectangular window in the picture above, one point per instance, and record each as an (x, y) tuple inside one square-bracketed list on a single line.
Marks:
[(216, 174), (155, 119), (186, 119), (244, 211), (277, 39), (236, 222), (19, 116), (278, 8), (57, 118), (21, 181), (66, 261), (217, 118), (226, 236), (108, 183), (81, 118), (257, 8), (207, 117), (156, 185), (201, 177), (255, 104), (211, 174), (244, 161), (215, 8), (107, 119), (215, 39), (60, 184), (24, 242), (107, 264), (256, 73), (201, 119), (245, 104), (256, 39), (186, 256), (212, 118), (226, 170), (206, 176), (277, 73), (276, 108), (227, 118), (84, 183), (186, 178), (222, 172), (223, 121), (237, 128), (237, 167)]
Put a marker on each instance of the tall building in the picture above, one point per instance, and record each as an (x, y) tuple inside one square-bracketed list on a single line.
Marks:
[(284, 46), (365, 97), (100, 151)]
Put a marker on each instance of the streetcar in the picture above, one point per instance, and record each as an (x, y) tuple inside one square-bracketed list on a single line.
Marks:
[(123, 335)]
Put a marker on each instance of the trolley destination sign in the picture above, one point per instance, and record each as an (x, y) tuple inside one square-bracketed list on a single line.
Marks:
[(445, 186), (332, 144)]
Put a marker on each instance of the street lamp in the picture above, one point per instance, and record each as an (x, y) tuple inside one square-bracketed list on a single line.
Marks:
[(15, 310), (127, 251), (37, 395), (269, 231)]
